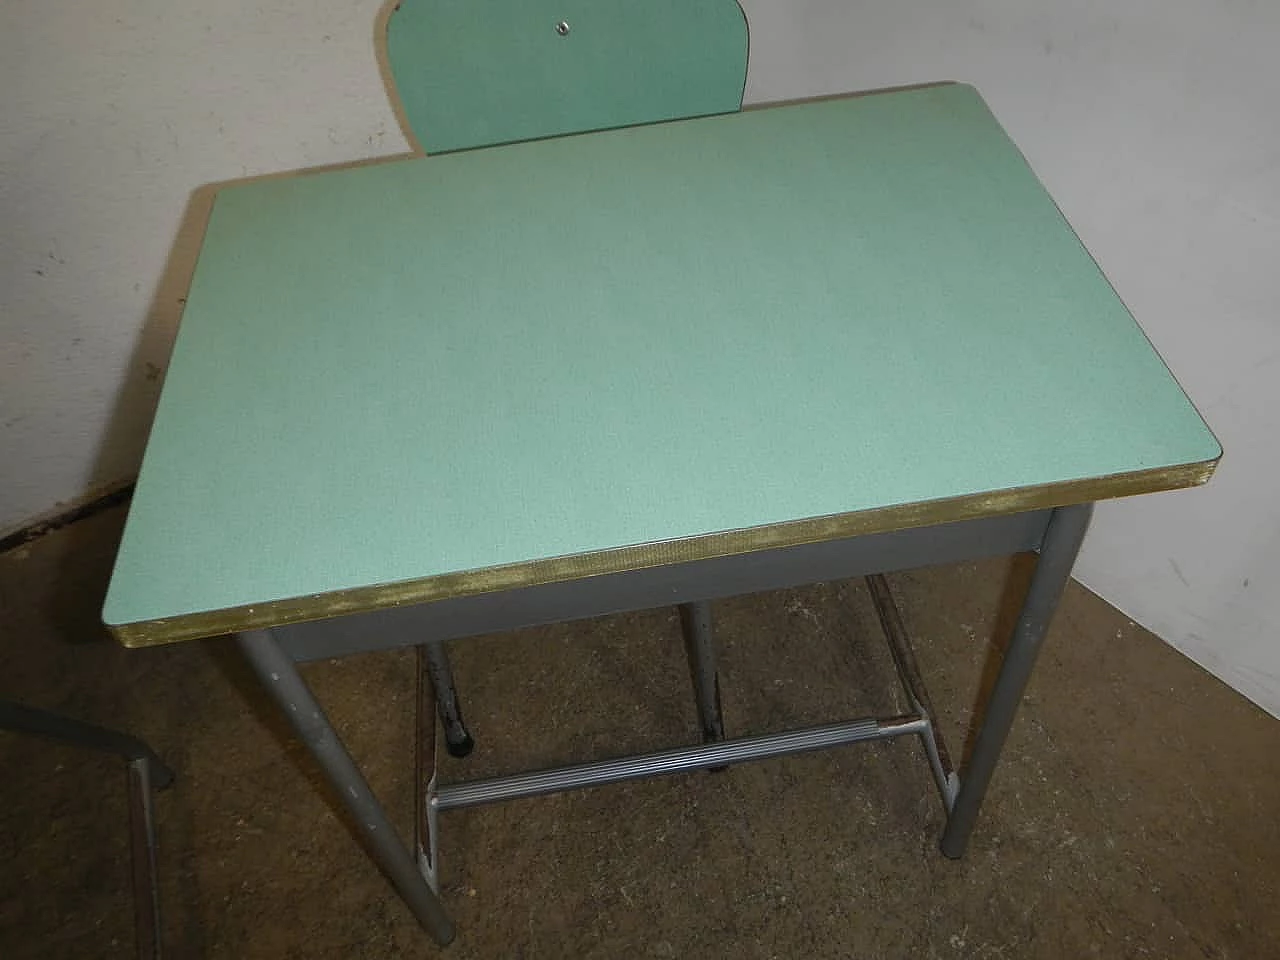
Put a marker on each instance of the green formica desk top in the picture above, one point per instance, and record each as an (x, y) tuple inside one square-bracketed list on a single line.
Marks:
[(455, 374)]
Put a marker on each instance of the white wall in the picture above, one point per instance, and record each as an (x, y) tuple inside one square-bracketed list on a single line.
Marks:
[(1156, 126), (111, 113), (1153, 122)]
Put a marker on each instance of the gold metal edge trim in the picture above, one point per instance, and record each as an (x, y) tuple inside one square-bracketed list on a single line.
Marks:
[(576, 566)]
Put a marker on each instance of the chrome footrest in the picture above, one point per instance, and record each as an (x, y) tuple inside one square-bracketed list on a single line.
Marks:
[(679, 760)]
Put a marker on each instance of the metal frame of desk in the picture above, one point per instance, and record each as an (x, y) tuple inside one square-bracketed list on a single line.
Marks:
[(431, 399), (1055, 534)]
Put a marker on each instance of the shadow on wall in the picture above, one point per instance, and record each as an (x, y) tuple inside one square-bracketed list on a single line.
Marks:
[(134, 405), (135, 402), (133, 411)]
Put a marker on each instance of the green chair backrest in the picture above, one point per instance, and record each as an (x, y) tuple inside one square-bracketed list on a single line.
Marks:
[(471, 73)]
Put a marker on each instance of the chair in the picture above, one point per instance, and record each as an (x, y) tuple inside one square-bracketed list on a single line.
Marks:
[(147, 772), (475, 73)]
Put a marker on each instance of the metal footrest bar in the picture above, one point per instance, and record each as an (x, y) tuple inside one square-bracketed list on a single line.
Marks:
[(679, 760), (904, 659)]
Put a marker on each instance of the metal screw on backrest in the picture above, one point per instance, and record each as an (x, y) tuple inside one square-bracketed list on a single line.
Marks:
[(562, 28)]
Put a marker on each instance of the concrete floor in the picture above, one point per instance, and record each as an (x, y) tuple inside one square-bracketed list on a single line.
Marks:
[(1136, 814)]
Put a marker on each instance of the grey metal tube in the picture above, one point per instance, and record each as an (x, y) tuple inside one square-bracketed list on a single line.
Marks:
[(680, 760), (41, 723), (904, 659), (426, 836), (699, 633), (146, 772), (286, 687), (456, 736), (1062, 540), (142, 840)]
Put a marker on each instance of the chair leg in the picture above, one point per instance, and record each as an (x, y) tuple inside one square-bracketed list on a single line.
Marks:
[(456, 737), (51, 726), (142, 839), (699, 635), (147, 772), (426, 839)]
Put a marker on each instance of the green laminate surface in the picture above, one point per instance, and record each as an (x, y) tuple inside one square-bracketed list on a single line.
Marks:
[(476, 72), (555, 348)]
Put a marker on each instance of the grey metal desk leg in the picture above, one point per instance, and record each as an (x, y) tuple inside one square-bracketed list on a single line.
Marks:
[(279, 674), (456, 738), (1062, 540), (699, 633)]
